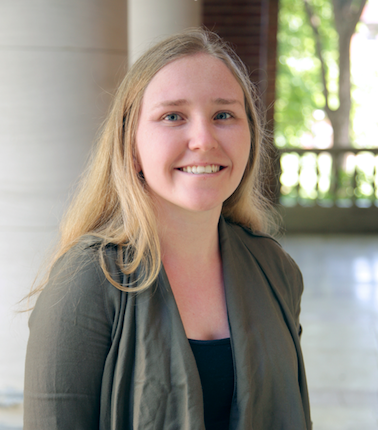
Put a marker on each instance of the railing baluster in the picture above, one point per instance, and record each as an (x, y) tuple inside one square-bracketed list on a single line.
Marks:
[(354, 180), (376, 180), (299, 177), (338, 155), (317, 176), (334, 178)]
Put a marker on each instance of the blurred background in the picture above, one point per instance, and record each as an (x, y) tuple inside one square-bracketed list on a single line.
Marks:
[(315, 63)]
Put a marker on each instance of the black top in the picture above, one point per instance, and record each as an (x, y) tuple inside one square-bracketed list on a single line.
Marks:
[(216, 370)]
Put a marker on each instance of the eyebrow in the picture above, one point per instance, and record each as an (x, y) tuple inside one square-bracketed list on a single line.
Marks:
[(182, 102), (179, 102), (221, 101)]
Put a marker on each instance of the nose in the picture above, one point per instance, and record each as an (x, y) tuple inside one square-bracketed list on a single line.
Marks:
[(202, 136)]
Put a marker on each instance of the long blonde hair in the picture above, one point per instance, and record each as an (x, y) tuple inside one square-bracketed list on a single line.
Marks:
[(112, 202)]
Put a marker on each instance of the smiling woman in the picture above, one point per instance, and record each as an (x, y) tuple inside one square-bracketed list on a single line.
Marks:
[(167, 305), (192, 117)]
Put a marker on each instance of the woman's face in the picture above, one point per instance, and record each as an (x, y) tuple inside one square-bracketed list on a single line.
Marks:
[(193, 139)]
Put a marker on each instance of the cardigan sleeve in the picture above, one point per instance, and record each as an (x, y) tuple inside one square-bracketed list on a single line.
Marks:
[(70, 336)]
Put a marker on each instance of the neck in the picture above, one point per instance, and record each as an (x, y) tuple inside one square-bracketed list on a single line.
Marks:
[(192, 238)]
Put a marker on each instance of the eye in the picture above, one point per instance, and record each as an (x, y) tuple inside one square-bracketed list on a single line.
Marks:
[(173, 117), (223, 115)]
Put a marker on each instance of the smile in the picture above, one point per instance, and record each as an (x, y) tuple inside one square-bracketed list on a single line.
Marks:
[(199, 170)]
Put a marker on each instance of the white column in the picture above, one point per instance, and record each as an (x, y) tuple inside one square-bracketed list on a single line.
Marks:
[(60, 62), (151, 20)]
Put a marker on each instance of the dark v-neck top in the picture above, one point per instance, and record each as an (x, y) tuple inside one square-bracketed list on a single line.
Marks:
[(216, 371)]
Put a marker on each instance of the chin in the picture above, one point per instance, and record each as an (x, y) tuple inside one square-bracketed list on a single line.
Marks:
[(204, 206)]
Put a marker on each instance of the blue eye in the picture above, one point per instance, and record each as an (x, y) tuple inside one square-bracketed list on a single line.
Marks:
[(173, 117), (223, 115)]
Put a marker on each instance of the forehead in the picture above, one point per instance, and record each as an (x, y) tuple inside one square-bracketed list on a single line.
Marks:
[(193, 76)]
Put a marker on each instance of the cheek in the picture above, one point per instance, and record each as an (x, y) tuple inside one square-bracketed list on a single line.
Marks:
[(148, 158), (136, 156), (136, 160), (242, 151), (248, 154), (141, 149)]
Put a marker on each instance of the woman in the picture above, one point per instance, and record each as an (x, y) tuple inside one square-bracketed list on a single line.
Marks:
[(166, 307)]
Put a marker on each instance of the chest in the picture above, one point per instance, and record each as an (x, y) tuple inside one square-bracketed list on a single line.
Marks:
[(265, 359), (201, 302)]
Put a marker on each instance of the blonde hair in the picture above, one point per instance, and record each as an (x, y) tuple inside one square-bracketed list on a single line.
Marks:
[(112, 202)]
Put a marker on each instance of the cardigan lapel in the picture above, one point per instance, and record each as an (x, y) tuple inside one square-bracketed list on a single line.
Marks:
[(284, 287), (265, 356), (167, 387)]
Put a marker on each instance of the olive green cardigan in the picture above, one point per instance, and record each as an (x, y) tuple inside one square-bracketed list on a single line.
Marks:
[(100, 358)]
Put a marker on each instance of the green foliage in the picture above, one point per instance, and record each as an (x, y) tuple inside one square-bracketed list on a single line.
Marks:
[(299, 85)]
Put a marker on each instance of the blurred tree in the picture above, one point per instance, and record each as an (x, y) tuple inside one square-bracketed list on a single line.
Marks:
[(314, 66)]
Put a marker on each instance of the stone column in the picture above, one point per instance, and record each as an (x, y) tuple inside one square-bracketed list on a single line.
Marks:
[(60, 62), (151, 20)]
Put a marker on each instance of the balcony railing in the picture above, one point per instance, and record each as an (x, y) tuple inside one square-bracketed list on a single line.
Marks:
[(343, 177)]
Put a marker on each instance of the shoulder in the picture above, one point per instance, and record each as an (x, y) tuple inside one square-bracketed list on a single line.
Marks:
[(77, 284), (264, 245), (71, 333), (281, 270)]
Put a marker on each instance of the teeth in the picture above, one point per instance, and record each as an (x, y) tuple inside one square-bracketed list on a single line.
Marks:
[(198, 170)]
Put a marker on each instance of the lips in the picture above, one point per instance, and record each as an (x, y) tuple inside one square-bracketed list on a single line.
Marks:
[(200, 170)]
